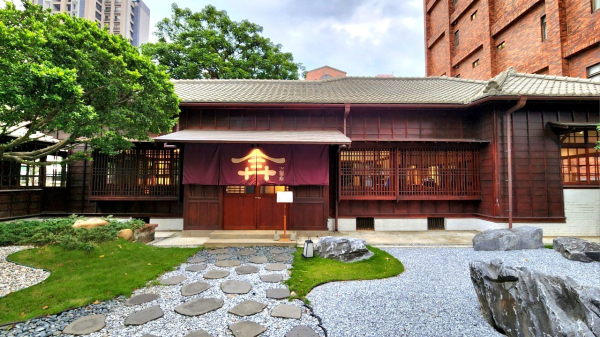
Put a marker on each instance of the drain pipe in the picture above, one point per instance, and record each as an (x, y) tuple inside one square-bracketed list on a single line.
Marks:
[(519, 105), (339, 187)]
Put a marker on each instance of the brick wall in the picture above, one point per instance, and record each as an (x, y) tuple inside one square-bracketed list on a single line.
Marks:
[(579, 63), (316, 74)]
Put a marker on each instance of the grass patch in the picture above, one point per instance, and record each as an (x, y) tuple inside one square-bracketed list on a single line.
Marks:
[(309, 273), (79, 278), (549, 246)]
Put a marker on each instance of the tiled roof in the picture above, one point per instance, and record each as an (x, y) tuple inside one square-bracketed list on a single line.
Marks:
[(397, 90)]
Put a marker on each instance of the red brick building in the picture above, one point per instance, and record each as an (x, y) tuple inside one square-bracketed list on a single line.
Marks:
[(324, 73), (477, 39)]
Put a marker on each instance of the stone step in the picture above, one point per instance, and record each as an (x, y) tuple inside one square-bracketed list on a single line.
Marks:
[(258, 234), (219, 243)]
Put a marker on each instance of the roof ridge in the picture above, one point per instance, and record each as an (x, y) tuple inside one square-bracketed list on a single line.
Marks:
[(558, 78)]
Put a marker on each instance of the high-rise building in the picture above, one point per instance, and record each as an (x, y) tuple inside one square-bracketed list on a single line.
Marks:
[(129, 18), (477, 39)]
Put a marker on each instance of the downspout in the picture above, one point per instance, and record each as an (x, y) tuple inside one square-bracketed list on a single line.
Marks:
[(339, 188), (519, 105)]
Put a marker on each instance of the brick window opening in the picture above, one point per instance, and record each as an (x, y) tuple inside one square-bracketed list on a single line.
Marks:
[(580, 162), (595, 5), (501, 46), (435, 223), (456, 38), (474, 15), (593, 72), (365, 224), (476, 63), (457, 76), (543, 27)]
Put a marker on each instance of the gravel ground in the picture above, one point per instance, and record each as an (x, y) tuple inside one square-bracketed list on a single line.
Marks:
[(14, 277), (433, 297)]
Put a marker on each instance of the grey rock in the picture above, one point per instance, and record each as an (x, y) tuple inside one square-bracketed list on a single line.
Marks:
[(172, 280), (142, 298), (228, 263), (527, 237), (199, 333), (222, 257), (144, 316), (194, 288), (196, 267), (236, 287), (282, 257), (342, 249), (244, 270), (278, 293), (517, 299), (275, 266), (286, 311), (271, 278), (214, 274), (248, 308), (278, 251), (246, 329), (258, 259), (199, 306), (86, 325), (301, 331), (246, 252), (575, 249), (218, 251), (197, 260)]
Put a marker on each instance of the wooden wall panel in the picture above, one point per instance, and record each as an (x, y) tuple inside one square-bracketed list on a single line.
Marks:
[(310, 208), (203, 207), (18, 203)]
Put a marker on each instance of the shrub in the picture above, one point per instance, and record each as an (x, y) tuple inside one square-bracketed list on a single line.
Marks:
[(60, 232)]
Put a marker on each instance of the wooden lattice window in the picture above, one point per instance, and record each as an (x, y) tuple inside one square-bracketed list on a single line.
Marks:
[(136, 174), (579, 160), (367, 173), (55, 171)]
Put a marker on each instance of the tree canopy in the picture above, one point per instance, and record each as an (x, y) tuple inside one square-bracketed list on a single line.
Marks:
[(208, 44), (65, 75)]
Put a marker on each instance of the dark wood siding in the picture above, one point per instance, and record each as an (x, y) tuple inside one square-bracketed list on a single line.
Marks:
[(203, 206)]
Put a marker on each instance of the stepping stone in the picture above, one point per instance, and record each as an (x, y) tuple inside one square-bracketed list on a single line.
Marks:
[(144, 316), (149, 335), (228, 263), (247, 308), (278, 294), (85, 325), (271, 278), (258, 259), (245, 252), (194, 288), (196, 267), (223, 257), (275, 266), (244, 270), (218, 251), (282, 257), (197, 260), (142, 298), (246, 329), (199, 333), (236, 287), (214, 274), (301, 331), (278, 251), (199, 306), (286, 311), (172, 280)]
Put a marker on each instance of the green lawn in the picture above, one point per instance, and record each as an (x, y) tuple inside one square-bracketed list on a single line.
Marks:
[(78, 278), (309, 273)]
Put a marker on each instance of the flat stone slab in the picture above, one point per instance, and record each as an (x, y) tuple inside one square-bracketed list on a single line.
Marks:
[(244, 270), (271, 278), (149, 335), (282, 258), (144, 316), (301, 331), (214, 274), (278, 294), (276, 266), (247, 308), (286, 311), (199, 333), (218, 251), (197, 260), (236, 287), (199, 306), (141, 298), (246, 329), (172, 280), (258, 259), (86, 325), (246, 252), (278, 251), (194, 288), (228, 263), (223, 257), (196, 267)]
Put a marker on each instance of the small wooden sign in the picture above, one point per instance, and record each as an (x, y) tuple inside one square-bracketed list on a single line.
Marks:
[(285, 197)]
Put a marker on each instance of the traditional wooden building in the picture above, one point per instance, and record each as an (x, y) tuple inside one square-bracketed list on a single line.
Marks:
[(380, 153)]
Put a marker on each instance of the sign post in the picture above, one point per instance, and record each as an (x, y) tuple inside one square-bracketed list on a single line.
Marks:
[(285, 198)]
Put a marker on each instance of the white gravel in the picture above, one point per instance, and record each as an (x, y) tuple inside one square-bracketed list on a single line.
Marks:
[(15, 277), (433, 297)]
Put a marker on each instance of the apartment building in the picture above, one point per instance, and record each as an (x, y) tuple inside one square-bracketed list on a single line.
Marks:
[(129, 18), (477, 39)]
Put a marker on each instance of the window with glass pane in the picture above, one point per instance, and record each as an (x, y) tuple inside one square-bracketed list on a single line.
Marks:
[(29, 175), (56, 172), (579, 159), (593, 72)]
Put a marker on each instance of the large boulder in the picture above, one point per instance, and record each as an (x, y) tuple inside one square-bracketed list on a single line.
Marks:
[(527, 237), (342, 249), (126, 234), (517, 301), (575, 249), (90, 223)]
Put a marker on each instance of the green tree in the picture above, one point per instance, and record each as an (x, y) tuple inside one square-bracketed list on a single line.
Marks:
[(208, 44), (65, 74)]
